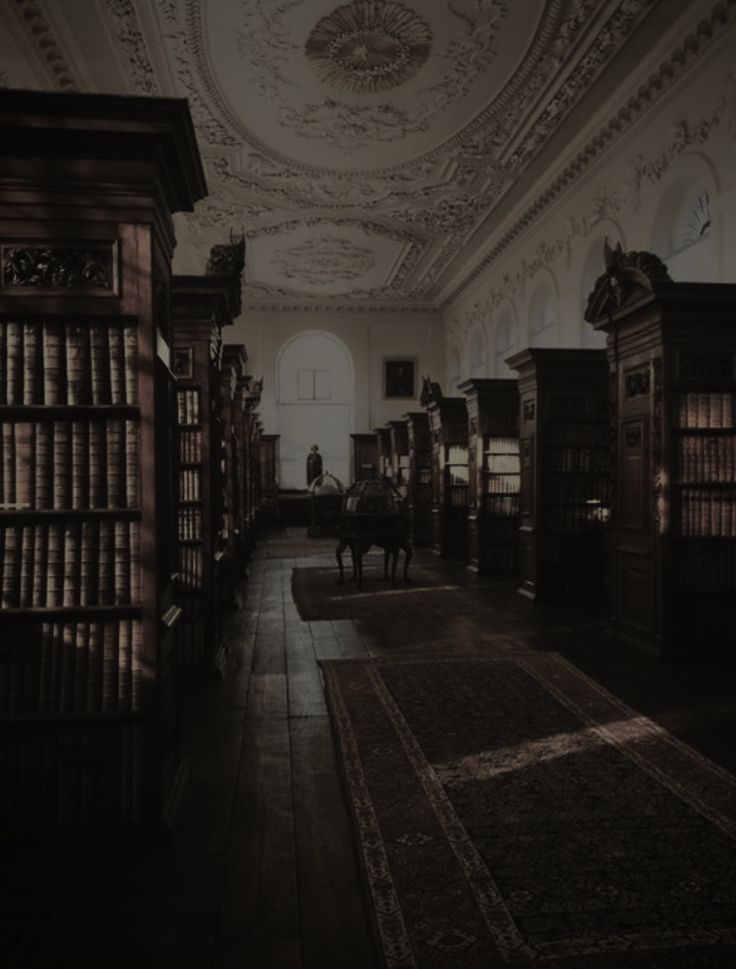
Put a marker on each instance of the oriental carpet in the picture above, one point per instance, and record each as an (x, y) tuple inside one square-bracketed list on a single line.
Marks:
[(510, 811)]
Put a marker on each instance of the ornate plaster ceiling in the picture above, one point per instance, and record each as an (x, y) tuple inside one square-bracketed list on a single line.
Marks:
[(361, 144)]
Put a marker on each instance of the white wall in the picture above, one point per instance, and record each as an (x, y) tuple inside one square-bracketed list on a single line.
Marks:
[(651, 189), (368, 338)]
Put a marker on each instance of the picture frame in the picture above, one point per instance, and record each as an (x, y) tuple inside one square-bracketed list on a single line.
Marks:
[(399, 378)]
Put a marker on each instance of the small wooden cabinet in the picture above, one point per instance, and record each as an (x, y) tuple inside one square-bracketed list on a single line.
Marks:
[(565, 473), (364, 455)]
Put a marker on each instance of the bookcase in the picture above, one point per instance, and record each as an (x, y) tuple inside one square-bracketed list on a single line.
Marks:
[(383, 446), (494, 475), (269, 462), (89, 734), (364, 455), (420, 477), (399, 433), (235, 471), (253, 430), (565, 496), (448, 421), (672, 359), (201, 306)]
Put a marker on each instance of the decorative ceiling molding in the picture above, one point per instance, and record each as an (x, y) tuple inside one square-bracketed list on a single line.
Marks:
[(368, 45), (59, 69), (313, 305), (123, 20), (323, 261), (659, 83), (606, 203)]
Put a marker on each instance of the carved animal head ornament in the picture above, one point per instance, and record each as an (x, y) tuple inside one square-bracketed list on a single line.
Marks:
[(628, 276), (227, 259)]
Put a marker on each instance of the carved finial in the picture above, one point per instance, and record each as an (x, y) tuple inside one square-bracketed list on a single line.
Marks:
[(228, 259), (430, 391), (628, 275)]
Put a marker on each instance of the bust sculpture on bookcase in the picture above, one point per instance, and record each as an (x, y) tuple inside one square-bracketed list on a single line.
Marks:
[(672, 356), (88, 607)]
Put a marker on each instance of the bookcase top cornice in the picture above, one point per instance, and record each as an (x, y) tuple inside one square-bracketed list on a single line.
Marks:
[(89, 128)]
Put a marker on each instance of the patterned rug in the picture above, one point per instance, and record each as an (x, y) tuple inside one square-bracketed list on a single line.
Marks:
[(317, 595), (512, 812)]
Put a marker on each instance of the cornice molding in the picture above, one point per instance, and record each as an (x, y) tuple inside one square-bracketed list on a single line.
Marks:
[(59, 70), (122, 16), (682, 58), (317, 306)]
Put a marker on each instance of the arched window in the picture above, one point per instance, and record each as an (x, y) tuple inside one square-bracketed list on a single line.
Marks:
[(504, 344), (477, 354)]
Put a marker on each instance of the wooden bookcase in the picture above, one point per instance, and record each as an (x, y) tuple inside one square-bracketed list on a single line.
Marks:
[(565, 473), (399, 434), (672, 358), (201, 306), (88, 699), (234, 462), (383, 447), (420, 477), (364, 455), (495, 479), (253, 432), (269, 462), (448, 421)]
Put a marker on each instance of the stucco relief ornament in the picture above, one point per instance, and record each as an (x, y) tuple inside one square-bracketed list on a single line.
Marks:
[(321, 261), (368, 46)]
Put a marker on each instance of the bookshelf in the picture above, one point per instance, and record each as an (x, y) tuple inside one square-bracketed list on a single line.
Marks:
[(399, 433), (269, 467), (420, 477), (233, 461), (448, 421), (672, 359), (495, 478), (565, 494), (364, 455), (201, 306), (89, 734), (383, 447), (253, 430)]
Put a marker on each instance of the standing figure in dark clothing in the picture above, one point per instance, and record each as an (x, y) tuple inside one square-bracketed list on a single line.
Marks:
[(314, 464)]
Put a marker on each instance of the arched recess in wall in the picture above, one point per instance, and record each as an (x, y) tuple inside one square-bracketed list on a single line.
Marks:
[(593, 266), (314, 403), (454, 371), (478, 353), (683, 227), (504, 342), (542, 315)]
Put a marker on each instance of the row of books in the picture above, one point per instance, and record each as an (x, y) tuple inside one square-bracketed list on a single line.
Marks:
[(578, 435), (705, 568), (708, 513), (575, 520), (190, 446), (68, 363), (502, 506), (189, 524), (704, 458), (69, 464), (576, 459), (502, 484), (501, 463), (456, 495), (72, 777), (190, 484), (574, 489), (59, 668), (502, 445), (71, 563), (190, 568), (187, 406), (707, 410)]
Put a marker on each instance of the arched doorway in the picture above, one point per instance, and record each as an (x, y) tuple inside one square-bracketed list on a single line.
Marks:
[(314, 387)]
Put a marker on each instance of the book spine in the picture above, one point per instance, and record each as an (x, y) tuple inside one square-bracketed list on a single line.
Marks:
[(25, 496), (94, 668), (97, 468), (121, 558), (14, 363), (125, 684), (43, 475), (54, 390), (11, 566), (132, 474), (117, 368), (88, 595), (135, 562), (40, 566), (115, 464), (105, 564), (99, 365), (80, 465), (28, 542), (54, 569), (70, 587), (130, 349), (77, 364), (136, 664), (31, 370), (62, 465)]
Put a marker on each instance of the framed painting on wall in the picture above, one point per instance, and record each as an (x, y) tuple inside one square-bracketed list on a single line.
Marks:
[(399, 378)]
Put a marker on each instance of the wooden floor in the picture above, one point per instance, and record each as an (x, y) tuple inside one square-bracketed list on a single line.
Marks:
[(261, 870)]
